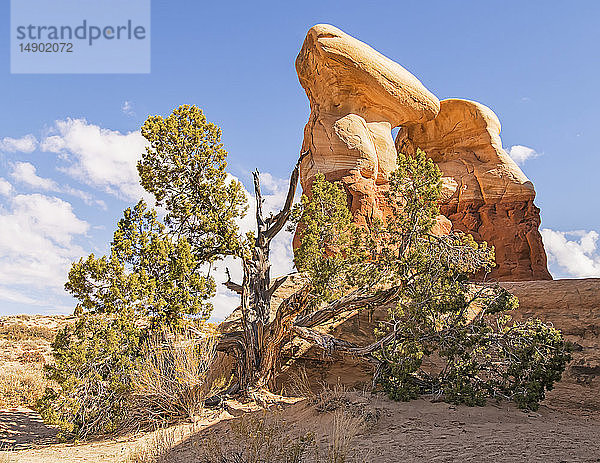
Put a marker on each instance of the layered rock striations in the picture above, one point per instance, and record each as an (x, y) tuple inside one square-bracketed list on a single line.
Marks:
[(485, 193), (357, 96)]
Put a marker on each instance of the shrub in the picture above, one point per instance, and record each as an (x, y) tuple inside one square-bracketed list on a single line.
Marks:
[(21, 385), (21, 331), (94, 361), (170, 381)]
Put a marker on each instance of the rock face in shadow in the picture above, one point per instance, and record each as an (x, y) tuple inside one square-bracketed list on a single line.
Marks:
[(485, 193), (357, 96)]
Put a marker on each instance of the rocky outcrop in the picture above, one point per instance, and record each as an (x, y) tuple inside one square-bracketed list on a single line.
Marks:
[(485, 193), (356, 96), (573, 306)]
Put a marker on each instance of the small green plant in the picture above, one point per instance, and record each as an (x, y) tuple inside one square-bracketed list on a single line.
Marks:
[(91, 376)]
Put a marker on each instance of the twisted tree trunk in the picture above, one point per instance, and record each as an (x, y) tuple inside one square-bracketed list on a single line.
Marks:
[(257, 345)]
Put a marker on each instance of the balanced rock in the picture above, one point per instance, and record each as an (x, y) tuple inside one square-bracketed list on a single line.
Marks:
[(356, 97), (484, 192)]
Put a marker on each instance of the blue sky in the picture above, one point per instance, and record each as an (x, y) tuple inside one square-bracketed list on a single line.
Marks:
[(68, 142)]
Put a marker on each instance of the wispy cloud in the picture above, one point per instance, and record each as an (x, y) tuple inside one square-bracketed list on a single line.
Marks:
[(102, 158), (127, 108), (574, 252), (26, 144), (25, 172), (37, 246), (5, 187), (520, 154)]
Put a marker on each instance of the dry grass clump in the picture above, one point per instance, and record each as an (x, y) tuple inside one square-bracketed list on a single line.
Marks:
[(344, 430), (5, 453), (353, 404), (156, 447), (258, 438), (21, 331), (267, 438), (172, 380), (21, 385), (299, 384)]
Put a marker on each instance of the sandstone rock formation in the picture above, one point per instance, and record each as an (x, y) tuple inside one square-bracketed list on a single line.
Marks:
[(358, 95), (485, 193)]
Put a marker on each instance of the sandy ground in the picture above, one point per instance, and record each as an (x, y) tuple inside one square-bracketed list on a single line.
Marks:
[(417, 431)]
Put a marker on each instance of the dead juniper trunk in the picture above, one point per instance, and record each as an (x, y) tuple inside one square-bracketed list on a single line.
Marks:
[(254, 344)]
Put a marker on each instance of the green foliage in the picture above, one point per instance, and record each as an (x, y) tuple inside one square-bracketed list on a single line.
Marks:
[(330, 243), (94, 361), (445, 334), (184, 167), (149, 273), (156, 276)]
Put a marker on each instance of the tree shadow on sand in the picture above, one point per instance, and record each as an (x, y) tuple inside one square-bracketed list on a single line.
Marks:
[(22, 428)]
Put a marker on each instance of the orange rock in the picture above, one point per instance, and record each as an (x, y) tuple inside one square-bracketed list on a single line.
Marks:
[(485, 193), (356, 96)]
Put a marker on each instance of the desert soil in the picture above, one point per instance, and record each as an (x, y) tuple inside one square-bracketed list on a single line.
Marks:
[(417, 431), (566, 428)]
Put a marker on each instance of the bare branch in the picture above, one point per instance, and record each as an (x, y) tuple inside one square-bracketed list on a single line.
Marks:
[(259, 215), (235, 287), (276, 284), (357, 299), (281, 218), (334, 345)]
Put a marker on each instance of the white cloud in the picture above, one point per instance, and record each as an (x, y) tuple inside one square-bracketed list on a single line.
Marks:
[(37, 246), (127, 108), (520, 153), (99, 157), (575, 252), (25, 172), (26, 144), (274, 192), (5, 187)]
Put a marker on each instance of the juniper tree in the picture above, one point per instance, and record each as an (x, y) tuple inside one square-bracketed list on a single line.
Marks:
[(435, 307), (156, 276)]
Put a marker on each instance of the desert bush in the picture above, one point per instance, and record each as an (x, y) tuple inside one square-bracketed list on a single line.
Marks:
[(21, 385), (91, 376), (170, 381), (442, 309), (31, 356), (22, 331)]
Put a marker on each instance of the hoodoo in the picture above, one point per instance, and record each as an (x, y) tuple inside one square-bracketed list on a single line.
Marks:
[(357, 96)]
